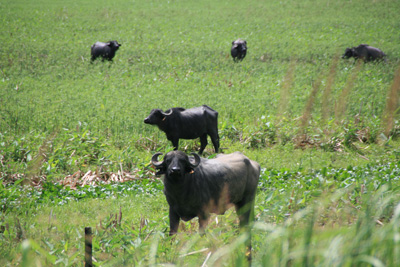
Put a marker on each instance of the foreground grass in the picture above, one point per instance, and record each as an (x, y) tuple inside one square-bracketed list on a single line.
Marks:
[(337, 217)]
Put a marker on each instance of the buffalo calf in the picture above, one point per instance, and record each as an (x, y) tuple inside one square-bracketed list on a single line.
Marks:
[(238, 50), (364, 52), (196, 187), (180, 123), (104, 50)]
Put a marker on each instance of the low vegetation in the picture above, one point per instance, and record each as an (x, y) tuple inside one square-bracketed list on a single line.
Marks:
[(75, 153)]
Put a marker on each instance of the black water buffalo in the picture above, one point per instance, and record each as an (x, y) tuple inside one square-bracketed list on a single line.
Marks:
[(196, 187), (104, 50), (239, 50), (364, 52), (187, 124)]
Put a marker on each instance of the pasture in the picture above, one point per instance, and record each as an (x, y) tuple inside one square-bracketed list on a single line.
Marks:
[(324, 130)]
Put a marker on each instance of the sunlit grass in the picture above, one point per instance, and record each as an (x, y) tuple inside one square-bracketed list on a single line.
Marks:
[(324, 130)]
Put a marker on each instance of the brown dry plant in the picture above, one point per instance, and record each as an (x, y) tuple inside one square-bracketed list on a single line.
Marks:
[(309, 105), (341, 104), (325, 108), (285, 88), (392, 103), (34, 166)]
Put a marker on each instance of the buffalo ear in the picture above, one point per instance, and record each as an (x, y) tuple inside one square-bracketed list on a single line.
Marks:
[(160, 171), (195, 161), (190, 169), (159, 165), (155, 162)]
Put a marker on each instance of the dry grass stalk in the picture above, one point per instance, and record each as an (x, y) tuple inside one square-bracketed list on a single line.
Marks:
[(340, 108), (392, 103), (34, 166), (310, 103), (80, 178), (94, 178), (285, 88), (325, 109)]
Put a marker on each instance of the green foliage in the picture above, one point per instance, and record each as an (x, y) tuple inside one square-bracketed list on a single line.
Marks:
[(329, 186), (75, 148), (15, 195)]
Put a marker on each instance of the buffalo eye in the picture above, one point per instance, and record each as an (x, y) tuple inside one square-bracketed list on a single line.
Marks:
[(158, 114)]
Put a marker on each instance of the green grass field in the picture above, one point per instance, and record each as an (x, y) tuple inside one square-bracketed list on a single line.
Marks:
[(324, 130)]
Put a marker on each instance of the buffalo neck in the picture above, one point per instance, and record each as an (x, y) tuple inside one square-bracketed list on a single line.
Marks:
[(169, 123)]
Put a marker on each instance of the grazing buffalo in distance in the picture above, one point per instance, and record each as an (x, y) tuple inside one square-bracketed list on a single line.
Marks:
[(187, 124), (239, 50), (104, 50), (196, 187), (364, 52)]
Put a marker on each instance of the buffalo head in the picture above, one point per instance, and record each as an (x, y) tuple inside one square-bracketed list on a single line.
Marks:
[(157, 116), (114, 45), (349, 52), (175, 163)]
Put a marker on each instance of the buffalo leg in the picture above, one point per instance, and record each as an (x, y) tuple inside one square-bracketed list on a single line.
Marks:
[(203, 221), (175, 143), (215, 141), (203, 143), (173, 222)]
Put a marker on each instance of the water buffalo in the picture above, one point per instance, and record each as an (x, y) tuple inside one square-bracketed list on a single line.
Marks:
[(196, 187), (187, 124), (364, 52), (238, 50), (104, 50)]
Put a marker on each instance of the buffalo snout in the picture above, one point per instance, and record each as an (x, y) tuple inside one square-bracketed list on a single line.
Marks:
[(175, 170)]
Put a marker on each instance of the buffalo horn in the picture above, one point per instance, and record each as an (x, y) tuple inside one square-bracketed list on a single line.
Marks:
[(167, 114), (155, 161), (196, 160)]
